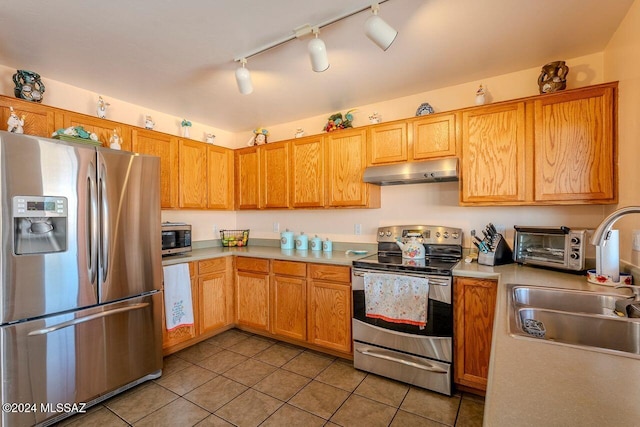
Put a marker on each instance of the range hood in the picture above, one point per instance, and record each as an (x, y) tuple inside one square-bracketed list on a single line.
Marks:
[(439, 170)]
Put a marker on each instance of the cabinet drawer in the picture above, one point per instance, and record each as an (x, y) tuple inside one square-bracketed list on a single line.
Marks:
[(333, 273), (211, 265), (252, 264), (289, 268)]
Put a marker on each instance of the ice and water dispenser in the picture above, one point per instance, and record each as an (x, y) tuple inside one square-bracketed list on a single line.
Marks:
[(40, 224)]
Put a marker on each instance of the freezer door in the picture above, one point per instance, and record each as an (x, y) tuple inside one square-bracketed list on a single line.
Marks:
[(131, 237), (79, 356), (44, 279)]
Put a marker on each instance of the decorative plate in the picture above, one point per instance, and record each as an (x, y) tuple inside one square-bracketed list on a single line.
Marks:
[(600, 279), (424, 109)]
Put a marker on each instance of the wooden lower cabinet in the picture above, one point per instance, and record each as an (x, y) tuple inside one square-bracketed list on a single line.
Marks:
[(289, 299), (183, 333), (252, 293), (329, 307), (212, 298), (474, 302)]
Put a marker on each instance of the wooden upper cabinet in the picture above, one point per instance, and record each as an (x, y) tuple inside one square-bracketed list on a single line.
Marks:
[(434, 136), (166, 147), (346, 159), (387, 143), (247, 178), (220, 177), (39, 120), (575, 150), (102, 127), (493, 153), (274, 175), (307, 172), (193, 174)]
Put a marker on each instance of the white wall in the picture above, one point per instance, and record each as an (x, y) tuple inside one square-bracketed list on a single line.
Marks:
[(622, 63)]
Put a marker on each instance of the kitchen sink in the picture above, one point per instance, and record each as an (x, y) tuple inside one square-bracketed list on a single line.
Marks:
[(577, 318)]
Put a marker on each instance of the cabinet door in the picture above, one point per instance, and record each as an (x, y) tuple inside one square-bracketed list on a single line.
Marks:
[(165, 147), (247, 172), (182, 333), (346, 159), (39, 120), (434, 136), (252, 299), (387, 144), (329, 307), (493, 154), (289, 307), (220, 176), (575, 147), (212, 301), (307, 173), (193, 174), (274, 175), (474, 302), (101, 127)]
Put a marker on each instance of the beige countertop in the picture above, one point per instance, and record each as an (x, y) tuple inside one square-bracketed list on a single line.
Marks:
[(536, 383), (338, 257), (531, 382)]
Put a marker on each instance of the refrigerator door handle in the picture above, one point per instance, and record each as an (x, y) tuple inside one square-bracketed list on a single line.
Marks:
[(92, 225), (104, 218), (79, 320)]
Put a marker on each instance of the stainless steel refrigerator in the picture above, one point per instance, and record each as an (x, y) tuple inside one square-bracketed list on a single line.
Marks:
[(81, 276)]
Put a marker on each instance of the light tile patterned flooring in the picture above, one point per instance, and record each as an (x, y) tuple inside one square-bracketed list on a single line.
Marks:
[(241, 379)]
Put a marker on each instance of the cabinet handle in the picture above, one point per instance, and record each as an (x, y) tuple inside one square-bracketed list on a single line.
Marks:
[(426, 367)]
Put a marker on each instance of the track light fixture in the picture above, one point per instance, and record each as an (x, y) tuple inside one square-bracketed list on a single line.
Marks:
[(243, 78), (318, 53), (378, 30), (375, 28)]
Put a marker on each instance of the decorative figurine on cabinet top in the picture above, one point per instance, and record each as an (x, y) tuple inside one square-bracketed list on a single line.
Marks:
[(209, 138), (15, 124), (28, 85), (553, 77), (259, 138), (115, 140), (148, 122), (299, 133), (186, 124), (375, 118), (480, 96), (424, 109), (101, 108)]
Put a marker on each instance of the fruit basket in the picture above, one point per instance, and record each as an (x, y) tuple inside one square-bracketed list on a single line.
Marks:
[(232, 238)]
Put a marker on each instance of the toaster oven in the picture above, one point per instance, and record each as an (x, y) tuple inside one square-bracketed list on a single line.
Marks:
[(559, 248), (176, 238)]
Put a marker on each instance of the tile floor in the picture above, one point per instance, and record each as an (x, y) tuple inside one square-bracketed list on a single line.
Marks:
[(241, 379)]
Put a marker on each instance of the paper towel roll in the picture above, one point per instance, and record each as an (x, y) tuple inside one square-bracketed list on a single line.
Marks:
[(609, 263)]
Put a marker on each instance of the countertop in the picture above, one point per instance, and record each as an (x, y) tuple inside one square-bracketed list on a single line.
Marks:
[(537, 383), (338, 257), (531, 382)]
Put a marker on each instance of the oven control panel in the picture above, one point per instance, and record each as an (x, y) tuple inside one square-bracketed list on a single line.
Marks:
[(429, 234)]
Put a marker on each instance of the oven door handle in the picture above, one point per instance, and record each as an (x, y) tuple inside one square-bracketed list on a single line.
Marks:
[(425, 367)]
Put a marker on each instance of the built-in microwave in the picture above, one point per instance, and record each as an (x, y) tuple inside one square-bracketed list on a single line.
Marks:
[(176, 238), (560, 248)]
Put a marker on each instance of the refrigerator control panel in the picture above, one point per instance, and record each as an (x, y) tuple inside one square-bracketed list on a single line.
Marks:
[(39, 206)]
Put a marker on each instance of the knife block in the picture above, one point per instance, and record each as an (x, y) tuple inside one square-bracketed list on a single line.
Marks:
[(500, 255)]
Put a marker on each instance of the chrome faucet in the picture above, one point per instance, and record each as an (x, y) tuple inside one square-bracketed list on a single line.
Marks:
[(601, 235), (603, 232)]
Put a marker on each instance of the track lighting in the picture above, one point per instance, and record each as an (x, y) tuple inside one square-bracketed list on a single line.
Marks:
[(318, 53), (243, 78), (378, 30)]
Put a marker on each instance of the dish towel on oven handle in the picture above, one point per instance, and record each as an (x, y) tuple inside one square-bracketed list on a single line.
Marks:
[(396, 298), (178, 306)]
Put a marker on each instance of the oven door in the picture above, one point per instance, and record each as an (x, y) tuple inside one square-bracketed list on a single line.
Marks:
[(439, 310)]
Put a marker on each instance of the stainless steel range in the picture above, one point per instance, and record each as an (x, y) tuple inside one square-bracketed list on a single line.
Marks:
[(416, 353)]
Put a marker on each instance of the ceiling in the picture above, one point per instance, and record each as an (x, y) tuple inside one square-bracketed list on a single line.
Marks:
[(178, 56)]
